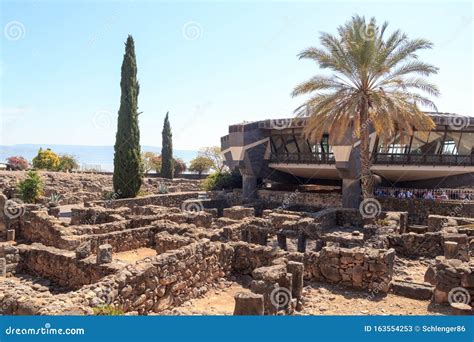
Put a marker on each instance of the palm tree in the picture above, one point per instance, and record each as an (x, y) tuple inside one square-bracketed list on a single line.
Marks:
[(375, 81)]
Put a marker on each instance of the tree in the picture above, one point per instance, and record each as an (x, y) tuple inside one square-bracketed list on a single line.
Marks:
[(31, 188), (18, 163), (151, 161), (46, 160), (128, 172), (377, 82), (67, 162), (167, 150), (213, 153), (200, 164), (179, 166)]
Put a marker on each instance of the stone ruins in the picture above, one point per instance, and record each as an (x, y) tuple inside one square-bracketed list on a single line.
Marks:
[(166, 253)]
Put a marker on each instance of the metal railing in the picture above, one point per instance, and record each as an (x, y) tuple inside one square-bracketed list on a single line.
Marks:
[(303, 158), (423, 159)]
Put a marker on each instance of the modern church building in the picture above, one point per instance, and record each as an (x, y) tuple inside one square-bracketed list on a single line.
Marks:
[(276, 151)]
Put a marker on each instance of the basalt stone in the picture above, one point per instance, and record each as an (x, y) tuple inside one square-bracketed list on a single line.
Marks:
[(11, 235), (248, 303), (104, 254), (412, 290), (3, 267), (84, 250)]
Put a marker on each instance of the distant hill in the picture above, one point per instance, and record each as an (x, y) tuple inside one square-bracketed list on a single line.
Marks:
[(102, 156)]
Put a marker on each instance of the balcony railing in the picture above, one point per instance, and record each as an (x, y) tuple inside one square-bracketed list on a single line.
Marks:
[(423, 159), (303, 158)]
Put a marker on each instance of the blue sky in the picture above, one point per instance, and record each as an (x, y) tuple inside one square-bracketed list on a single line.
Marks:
[(209, 64)]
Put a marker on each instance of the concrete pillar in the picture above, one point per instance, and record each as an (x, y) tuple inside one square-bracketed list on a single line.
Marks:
[(351, 193), (248, 303), (249, 188), (302, 243), (282, 242)]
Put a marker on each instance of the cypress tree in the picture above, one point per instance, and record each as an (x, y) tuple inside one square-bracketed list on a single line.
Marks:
[(167, 150), (128, 170)]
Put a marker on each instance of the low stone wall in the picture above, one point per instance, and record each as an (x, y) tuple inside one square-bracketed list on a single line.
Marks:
[(171, 278), (438, 222), (451, 275), (9, 258), (419, 209), (38, 226), (61, 267), (97, 215), (288, 199), (356, 267), (167, 200), (429, 244)]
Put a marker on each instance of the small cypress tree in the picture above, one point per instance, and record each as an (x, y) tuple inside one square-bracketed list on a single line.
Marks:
[(167, 150), (128, 171)]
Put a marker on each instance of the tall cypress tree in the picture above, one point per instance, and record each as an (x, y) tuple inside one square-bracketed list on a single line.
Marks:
[(167, 150), (128, 171)]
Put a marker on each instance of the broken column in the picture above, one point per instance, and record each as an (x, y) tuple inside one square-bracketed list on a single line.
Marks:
[(302, 243), (248, 303), (104, 254), (281, 238), (3, 267), (451, 249), (296, 269), (11, 235), (84, 250)]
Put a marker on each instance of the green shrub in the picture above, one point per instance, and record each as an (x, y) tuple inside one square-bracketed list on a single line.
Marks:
[(222, 180), (31, 188), (67, 163), (108, 310), (46, 160)]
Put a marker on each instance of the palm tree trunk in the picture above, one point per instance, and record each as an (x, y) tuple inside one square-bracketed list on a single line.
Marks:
[(365, 155)]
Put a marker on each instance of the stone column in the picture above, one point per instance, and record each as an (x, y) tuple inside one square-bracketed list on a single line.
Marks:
[(249, 188), (451, 249), (263, 238), (282, 242), (3, 267), (351, 193), (302, 243), (11, 235), (248, 303), (296, 269)]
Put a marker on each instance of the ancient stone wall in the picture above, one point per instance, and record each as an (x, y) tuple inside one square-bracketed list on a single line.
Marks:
[(419, 209), (60, 266), (451, 277), (168, 200), (172, 278), (356, 267), (288, 199), (9, 258)]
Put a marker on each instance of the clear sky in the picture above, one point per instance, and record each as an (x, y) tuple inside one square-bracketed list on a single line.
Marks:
[(209, 64)]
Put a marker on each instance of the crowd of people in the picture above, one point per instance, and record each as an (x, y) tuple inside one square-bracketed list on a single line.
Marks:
[(440, 194)]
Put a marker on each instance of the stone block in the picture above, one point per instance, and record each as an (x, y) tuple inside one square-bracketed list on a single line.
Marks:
[(11, 235), (412, 290), (104, 254), (248, 303), (84, 250), (3, 267)]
